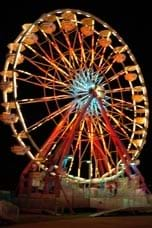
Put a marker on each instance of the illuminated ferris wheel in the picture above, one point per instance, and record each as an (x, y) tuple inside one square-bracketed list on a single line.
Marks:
[(74, 95)]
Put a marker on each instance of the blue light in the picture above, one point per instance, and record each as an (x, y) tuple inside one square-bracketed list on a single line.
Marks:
[(85, 81)]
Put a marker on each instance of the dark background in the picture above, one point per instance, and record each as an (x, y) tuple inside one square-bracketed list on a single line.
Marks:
[(132, 22)]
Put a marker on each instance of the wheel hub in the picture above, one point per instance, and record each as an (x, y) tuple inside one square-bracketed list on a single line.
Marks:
[(86, 83)]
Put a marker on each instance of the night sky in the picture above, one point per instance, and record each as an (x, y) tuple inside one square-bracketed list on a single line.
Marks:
[(129, 21)]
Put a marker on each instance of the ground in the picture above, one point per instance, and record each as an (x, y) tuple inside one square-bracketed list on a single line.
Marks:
[(68, 221)]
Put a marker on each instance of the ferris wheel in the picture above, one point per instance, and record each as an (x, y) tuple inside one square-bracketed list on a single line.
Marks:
[(74, 95)]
